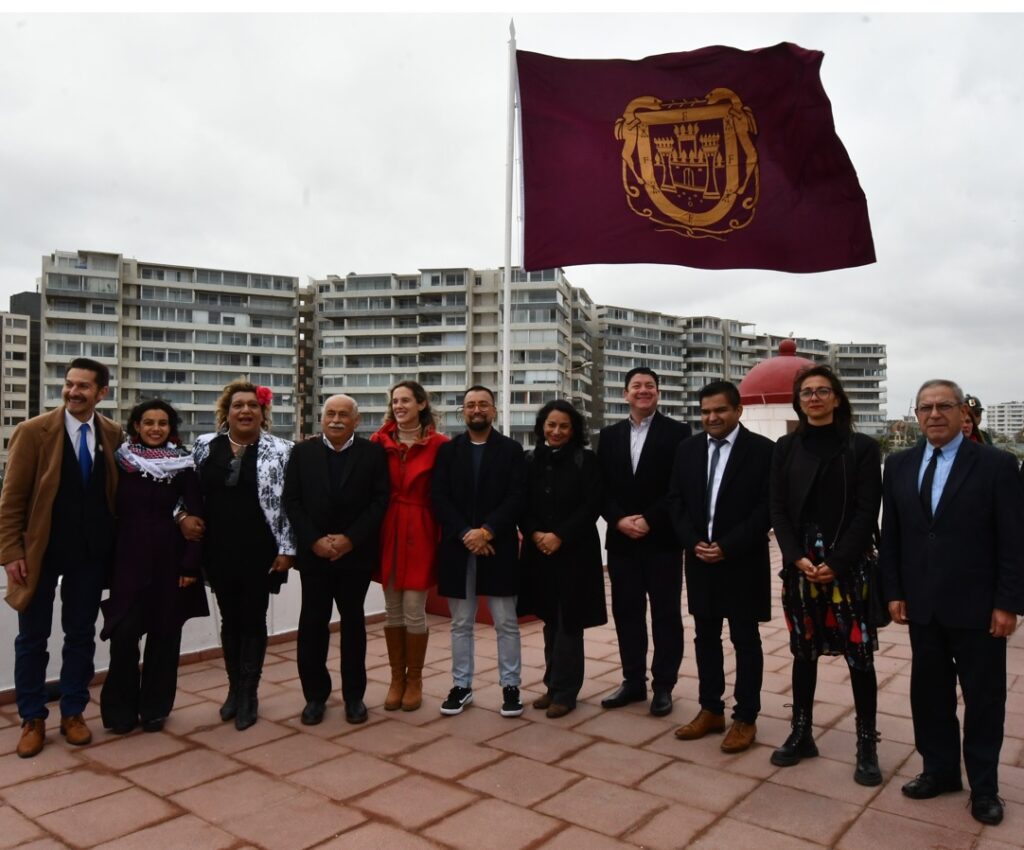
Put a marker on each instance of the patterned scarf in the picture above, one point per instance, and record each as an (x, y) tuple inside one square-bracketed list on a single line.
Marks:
[(161, 464)]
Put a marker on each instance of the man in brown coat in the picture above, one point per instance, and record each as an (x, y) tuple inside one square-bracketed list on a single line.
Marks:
[(57, 521)]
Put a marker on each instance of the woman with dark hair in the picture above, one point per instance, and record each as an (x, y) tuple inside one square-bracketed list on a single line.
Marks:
[(248, 544), (154, 587), (562, 567), (408, 538), (826, 488)]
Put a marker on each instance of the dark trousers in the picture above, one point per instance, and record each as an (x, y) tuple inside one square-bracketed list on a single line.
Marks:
[(321, 590), (746, 640), (80, 589), (563, 662), (128, 694), (942, 655), (243, 604), (656, 574)]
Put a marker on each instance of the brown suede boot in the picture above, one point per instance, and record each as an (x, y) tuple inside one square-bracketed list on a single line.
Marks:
[(415, 651), (394, 636)]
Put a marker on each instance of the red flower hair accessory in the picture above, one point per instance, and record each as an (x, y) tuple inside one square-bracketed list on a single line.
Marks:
[(264, 395)]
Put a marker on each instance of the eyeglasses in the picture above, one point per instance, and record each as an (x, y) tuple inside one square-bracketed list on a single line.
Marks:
[(816, 392), (942, 407), (236, 471), (477, 405)]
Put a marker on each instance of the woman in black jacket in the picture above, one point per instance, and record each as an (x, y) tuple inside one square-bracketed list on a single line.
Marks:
[(562, 568), (826, 488)]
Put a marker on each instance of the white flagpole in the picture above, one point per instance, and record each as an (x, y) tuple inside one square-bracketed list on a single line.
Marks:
[(506, 335)]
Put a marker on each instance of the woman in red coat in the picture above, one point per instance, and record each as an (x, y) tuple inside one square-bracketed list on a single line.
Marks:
[(408, 539)]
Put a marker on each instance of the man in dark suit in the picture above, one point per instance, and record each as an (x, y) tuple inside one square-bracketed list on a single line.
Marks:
[(477, 491), (952, 557), (719, 505), (57, 521), (644, 557), (336, 492)]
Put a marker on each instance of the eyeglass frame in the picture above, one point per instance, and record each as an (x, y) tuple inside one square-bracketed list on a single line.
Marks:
[(942, 407), (816, 392)]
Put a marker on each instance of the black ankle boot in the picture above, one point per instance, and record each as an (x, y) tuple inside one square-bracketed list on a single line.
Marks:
[(867, 772), (254, 648), (800, 744), (230, 646)]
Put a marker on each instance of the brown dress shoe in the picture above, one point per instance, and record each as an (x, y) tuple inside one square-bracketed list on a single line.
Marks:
[(705, 722), (542, 702), (73, 728), (558, 709), (33, 736), (739, 737)]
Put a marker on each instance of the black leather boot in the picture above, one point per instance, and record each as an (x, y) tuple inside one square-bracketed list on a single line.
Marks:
[(230, 646), (254, 648), (800, 744), (867, 771)]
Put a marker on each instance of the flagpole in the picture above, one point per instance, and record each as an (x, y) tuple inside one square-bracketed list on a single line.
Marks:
[(506, 335)]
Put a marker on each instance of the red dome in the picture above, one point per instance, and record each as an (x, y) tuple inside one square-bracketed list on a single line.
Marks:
[(771, 381)]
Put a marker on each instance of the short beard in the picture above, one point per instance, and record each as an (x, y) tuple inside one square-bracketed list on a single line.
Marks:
[(478, 426)]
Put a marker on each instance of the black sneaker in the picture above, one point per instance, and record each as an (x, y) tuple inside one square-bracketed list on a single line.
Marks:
[(458, 699), (510, 704)]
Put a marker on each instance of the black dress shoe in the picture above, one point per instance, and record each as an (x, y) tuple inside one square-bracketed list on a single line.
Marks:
[(924, 786), (661, 703), (987, 808), (624, 696), (313, 713), (154, 724), (355, 711)]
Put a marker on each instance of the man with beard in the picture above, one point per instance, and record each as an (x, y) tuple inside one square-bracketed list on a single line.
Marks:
[(476, 491)]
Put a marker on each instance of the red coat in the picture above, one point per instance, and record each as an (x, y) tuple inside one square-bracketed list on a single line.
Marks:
[(409, 534)]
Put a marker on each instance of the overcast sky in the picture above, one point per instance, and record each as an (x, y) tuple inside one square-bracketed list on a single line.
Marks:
[(312, 145)]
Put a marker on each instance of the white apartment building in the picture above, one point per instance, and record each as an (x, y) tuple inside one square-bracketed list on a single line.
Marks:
[(16, 386), (175, 332), (1005, 418)]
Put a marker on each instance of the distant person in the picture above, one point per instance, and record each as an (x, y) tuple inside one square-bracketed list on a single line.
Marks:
[(57, 522), (477, 492), (407, 567), (952, 556), (563, 571), (719, 505), (826, 488), (645, 561), (335, 494), (156, 584), (973, 415)]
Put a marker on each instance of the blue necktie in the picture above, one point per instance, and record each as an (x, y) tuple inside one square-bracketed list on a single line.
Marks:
[(84, 458)]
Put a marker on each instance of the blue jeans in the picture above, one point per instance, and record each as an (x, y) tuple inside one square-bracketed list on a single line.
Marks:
[(80, 591), (506, 626)]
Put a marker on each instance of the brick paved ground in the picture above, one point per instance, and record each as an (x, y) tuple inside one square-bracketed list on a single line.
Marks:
[(595, 779)]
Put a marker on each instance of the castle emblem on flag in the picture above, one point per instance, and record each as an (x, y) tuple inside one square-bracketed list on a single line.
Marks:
[(690, 166)]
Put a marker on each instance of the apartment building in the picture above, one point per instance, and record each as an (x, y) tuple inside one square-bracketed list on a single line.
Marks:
[(1005, 418), (15, 390), (176, 332)]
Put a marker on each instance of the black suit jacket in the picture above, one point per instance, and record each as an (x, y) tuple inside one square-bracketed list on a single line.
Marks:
[(739, 586), (365, 491), (495, 501), (646, 491), (970, 558)]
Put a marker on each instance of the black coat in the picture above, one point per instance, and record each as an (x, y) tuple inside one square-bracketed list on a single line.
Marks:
[(739, 586), (646, 491), (459, 505), (357, 512), (563, 495), (852, 523), (970, 558)]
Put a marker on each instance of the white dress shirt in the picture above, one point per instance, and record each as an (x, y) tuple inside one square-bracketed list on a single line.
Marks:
[(637, 437), (723, 458), (73, 426)]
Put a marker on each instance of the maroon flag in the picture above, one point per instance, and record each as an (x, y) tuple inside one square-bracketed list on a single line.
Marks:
[(719, 159)]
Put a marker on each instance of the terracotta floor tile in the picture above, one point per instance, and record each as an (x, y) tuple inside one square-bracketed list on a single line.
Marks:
[(226, 739), (698, 786), (295, 823), (575, 838), (185, 833), (390, 738), (289, 754), (671, 828), (474, 725), (796, 812), (450, 757), (130, 750), (56, 756), (733, 833), (378, 836), (828, 778), (69, 788), (16, 829), (230, 796), (415, 801), (492, 825), (101, 820), (200, 680), (614, 762), (348, 775), (948, 810), (541, 743), (602, 806), (881, 829), (519, 780), (201, 715), (841, 745), (182, 771)]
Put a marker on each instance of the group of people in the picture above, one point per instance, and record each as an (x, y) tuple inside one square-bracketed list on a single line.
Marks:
[(476, 516)]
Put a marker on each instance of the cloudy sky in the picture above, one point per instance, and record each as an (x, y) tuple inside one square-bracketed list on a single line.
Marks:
[(311, 145)]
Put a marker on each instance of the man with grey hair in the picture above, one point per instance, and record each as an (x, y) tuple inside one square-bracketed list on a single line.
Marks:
[(952, 558), (336, 492)]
